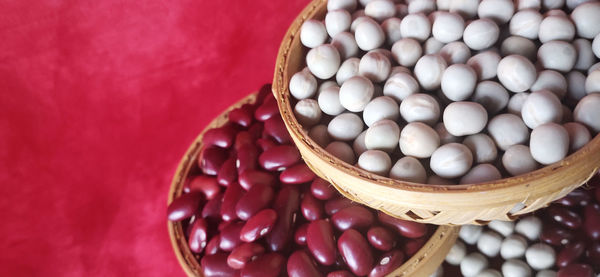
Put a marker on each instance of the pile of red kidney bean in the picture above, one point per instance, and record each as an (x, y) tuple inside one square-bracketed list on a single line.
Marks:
[(571, 226), (252, 207)]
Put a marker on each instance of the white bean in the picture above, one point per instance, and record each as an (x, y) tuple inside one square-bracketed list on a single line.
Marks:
[(391, 29), (596, 46), (337, 21), (592, 82), (375, 161), (546, 273), (429, 70), (349, 5), (382, 107), (420, 107), (579, 135), (557, 55), (472, 264), (481, 34), (587, 112), (515, 268), (319, 134), (400, 69), (464, 118), (516, 45), (540, 256), (491, 95), (355, 93), (345, 127), (481, 173), (507, 130), (489, 243), (576, 85), (586, 19), (451, 160), (407, 51), (359, 143), (375, 66), (325, 85), (348, 69), (303, 84), (553, 4), (443, 5), (500, 11), (513, 247), (556, 28), (313, 33), (526, 23), (551, 80), (455, 52), (515, 104), (383, 135), (409, 169), (432, 46), (415, 26), (448, 27), (342, 151), (529, 4), (572, 4), (323, 61), (458, 82), (530, 227), (517, 160), (307, 112), (345, 43), (418, 140), (466, 8), (329, 101), (470, 233), (585, 54), (380, 9), (369, 35), (482, 146), (549, 143), (504, 228), (400, 85), (541, 107), (516, 73), (489, 273), (445, 137), (421, 6), (457, 253), (485, 64)]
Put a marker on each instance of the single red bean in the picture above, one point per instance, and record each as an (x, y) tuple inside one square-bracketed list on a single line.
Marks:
[(412, 246), (267, 109), (578, 197), (212, 247), (256, 199), (230, 236), (185, 206), (321, 242), (242, 139), (216, 265), (205, 184), (381, 238), (232, 195), (265, 92), (259, 225), (211, 160), (247, 158), (570, 253), (268, 265), (212, 208), (575, 270), (279, 157), (355, 217), (322, 190), (297, 174), (555, 235), (311, 207), (228, 172), (564, 216), (286, 205), (405, 228), (243, 115), (332, 206), (591, 222), (265, 144), (356, 252), (244, 253), (300, 234), (252, 177), (340, 273), (221, 137), (198, 236), (275, 128), (387, 263), (300, 264), (593, 252)]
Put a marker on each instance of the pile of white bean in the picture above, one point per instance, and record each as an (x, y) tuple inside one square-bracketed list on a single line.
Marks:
[(466, 90)]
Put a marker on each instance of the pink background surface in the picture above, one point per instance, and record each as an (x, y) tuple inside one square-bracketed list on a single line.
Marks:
[(98, 102)]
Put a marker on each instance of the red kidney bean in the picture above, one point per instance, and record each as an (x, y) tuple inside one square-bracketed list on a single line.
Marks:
[(205, 184), (256, 199), (252, 177), (244, 253), (570, 253), (211, 160), (242, 116), (340, 273), (312, 208), (300, 234), (300, 264), (216, 265), (356, 252), (591, 222), (221, 137), (387, 263), (230, 236), (212, 208), (246, 158), (265, 144), (332, 206), (578, 197), (275, 128), (575, 270), (555, 235), (593, 253), (267, 109), (228, 172), (405, 228), (267, 265), (279, 157), (232, 195), (265, 92), (564, 217), (322, 190), (381, 238), (297, 174), (355, 217), (198, 236), (286, 205), (321, 242), (259, 225), (212, 247), (412, 246), (184, 206), (242, 139)]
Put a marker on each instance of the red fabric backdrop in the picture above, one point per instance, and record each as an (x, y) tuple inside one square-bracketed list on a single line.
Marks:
[(98, 102)]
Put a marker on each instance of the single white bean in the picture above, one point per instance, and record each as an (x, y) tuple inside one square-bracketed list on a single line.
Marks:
[(407, 51), (579, 135), (382, 107), (576, 85), (485, 64), (375, 66), (489, 243), (513, 247), (515, 104), (359, 143), (491, 95), (457, 253), (470, 233), (349, 5), (307, 112), (585, 54), (400, 85), (448, 27), (516, 45), (420, 107), (556, 28), (596, 46), (345, 43), (342, 151), (345, 127), (557, 55), (592, 82), (337, 21), (481, 34), (505, 228), (466, 8), (515, 268), (400, 69), (313, 33), (348, 69), (464, 118), (549, 143), (383, 135), (323, 61), (380, 9), (489, 273), (391, 29), (472, 264), (303, 84), (409, 169), (458, 82), (572, 4), (551, 80), (320, 135), (530, 227), (525, 23), (540, 256), (375, 161), (529, 4), (356, 93), (587, 112), (443, 5), (517, 160), (482, 146), (429, 70), (553, 4), (415, 26), (329, 101), (421, 6), (500, 11), (451, 160), (516, 73), (507, 130), (541, 107), (481, 173), (586, 19), (369, 35), (418, 140), (456, 52)]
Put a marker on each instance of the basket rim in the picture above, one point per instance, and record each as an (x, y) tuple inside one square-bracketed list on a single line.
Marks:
[(281, 91)]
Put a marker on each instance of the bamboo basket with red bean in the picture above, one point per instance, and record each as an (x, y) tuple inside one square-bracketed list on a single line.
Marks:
[(242, 203), (471, 202)]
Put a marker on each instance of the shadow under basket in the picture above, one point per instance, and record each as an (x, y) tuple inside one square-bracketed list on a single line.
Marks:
[(503, 199), (423, 263)]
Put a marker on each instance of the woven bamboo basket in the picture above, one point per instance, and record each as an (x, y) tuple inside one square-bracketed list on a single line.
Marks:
[(503, 199), (423, 263)]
